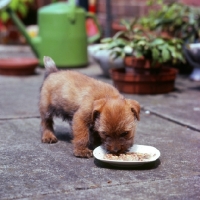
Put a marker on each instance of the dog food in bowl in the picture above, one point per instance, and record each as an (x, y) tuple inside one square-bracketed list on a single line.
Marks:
[(130, 156)]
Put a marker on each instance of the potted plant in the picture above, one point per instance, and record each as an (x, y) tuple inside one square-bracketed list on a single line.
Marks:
[(147, 54), (21, 8), (175, 19), (144, 45), (101, 55), (192, 54), (15, 66)]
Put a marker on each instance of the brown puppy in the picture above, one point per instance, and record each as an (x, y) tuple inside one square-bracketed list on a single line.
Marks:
[(96, 109)]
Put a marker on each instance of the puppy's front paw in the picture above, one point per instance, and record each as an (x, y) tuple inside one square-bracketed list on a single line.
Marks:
[(83, 153), (49, 137)]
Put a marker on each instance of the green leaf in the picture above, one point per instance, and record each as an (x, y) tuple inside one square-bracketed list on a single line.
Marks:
[(117, 52), (14, 4), (133, 23), (22, 9), (180, 57), (141, 42), (179, 46), (126, 24), (114, 55), (121, 42), (157, 41), (171, 49), (155, 54), (165, 55), (138, 54), (4, 16), (112, 45), (19, 6), (106, 40), (119, 34)]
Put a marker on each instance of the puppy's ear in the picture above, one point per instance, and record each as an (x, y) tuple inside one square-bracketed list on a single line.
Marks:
[(135, 108), (97, 106)]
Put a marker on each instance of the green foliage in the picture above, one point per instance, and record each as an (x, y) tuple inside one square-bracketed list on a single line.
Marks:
[(140, 43), (19, 6), (178, 19), (144, 37)]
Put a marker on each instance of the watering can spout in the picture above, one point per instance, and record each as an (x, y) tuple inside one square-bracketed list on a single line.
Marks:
[(22, 29)]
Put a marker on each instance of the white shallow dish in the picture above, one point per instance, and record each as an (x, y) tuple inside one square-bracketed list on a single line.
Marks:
[(99, 153)]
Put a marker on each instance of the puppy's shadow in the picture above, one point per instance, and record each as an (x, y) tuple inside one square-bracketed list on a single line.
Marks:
[(147, 166), (63, 133), (197, 88)]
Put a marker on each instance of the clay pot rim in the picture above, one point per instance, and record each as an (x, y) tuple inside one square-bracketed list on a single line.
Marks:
[(169, 70), (166, 73), (133, 57), (18, 63)]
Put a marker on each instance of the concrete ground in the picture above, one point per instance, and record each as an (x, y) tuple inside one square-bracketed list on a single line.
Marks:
[(32, 170)]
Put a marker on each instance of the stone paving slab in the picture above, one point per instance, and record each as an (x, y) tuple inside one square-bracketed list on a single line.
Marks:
[(29, 168), (161, 189), (181, 105), (177, 106), (19, 96), (32, 170)]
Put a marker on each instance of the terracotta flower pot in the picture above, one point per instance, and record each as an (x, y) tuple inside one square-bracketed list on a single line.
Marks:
[(18, 66), (144, 83), (141, 65)]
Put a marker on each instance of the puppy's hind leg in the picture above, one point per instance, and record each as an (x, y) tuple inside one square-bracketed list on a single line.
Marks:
[(47, 124), (47, 130)]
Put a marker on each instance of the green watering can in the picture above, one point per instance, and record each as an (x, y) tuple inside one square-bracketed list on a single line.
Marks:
[(62, 33)]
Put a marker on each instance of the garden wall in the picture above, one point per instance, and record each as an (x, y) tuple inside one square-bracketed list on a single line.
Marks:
[(129, 9)]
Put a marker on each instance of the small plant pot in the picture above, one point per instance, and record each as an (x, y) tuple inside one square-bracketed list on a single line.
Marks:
[(141, 65), (102, 58), (133, 83), (18, 66)]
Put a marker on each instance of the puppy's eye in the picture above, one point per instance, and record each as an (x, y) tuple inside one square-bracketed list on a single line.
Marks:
[(124, 134), (104, 134)]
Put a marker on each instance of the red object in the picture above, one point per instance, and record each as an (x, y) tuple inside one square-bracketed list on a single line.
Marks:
[(92, 8), (18, 66), (1, 25), (91, 27), (192, 2)]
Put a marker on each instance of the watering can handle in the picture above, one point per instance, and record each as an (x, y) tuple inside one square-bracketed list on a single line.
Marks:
[(97, 36)]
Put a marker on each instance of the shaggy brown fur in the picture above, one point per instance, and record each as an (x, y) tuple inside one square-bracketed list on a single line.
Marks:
[(96, 109)]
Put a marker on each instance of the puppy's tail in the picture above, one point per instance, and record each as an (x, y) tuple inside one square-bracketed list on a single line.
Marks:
[(50, 66)]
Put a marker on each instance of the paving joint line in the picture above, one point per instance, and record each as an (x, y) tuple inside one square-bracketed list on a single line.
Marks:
[(22, 117), (170, 119), (143, 109)]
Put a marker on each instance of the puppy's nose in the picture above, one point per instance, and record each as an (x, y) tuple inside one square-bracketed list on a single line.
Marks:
[(115, 150)]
